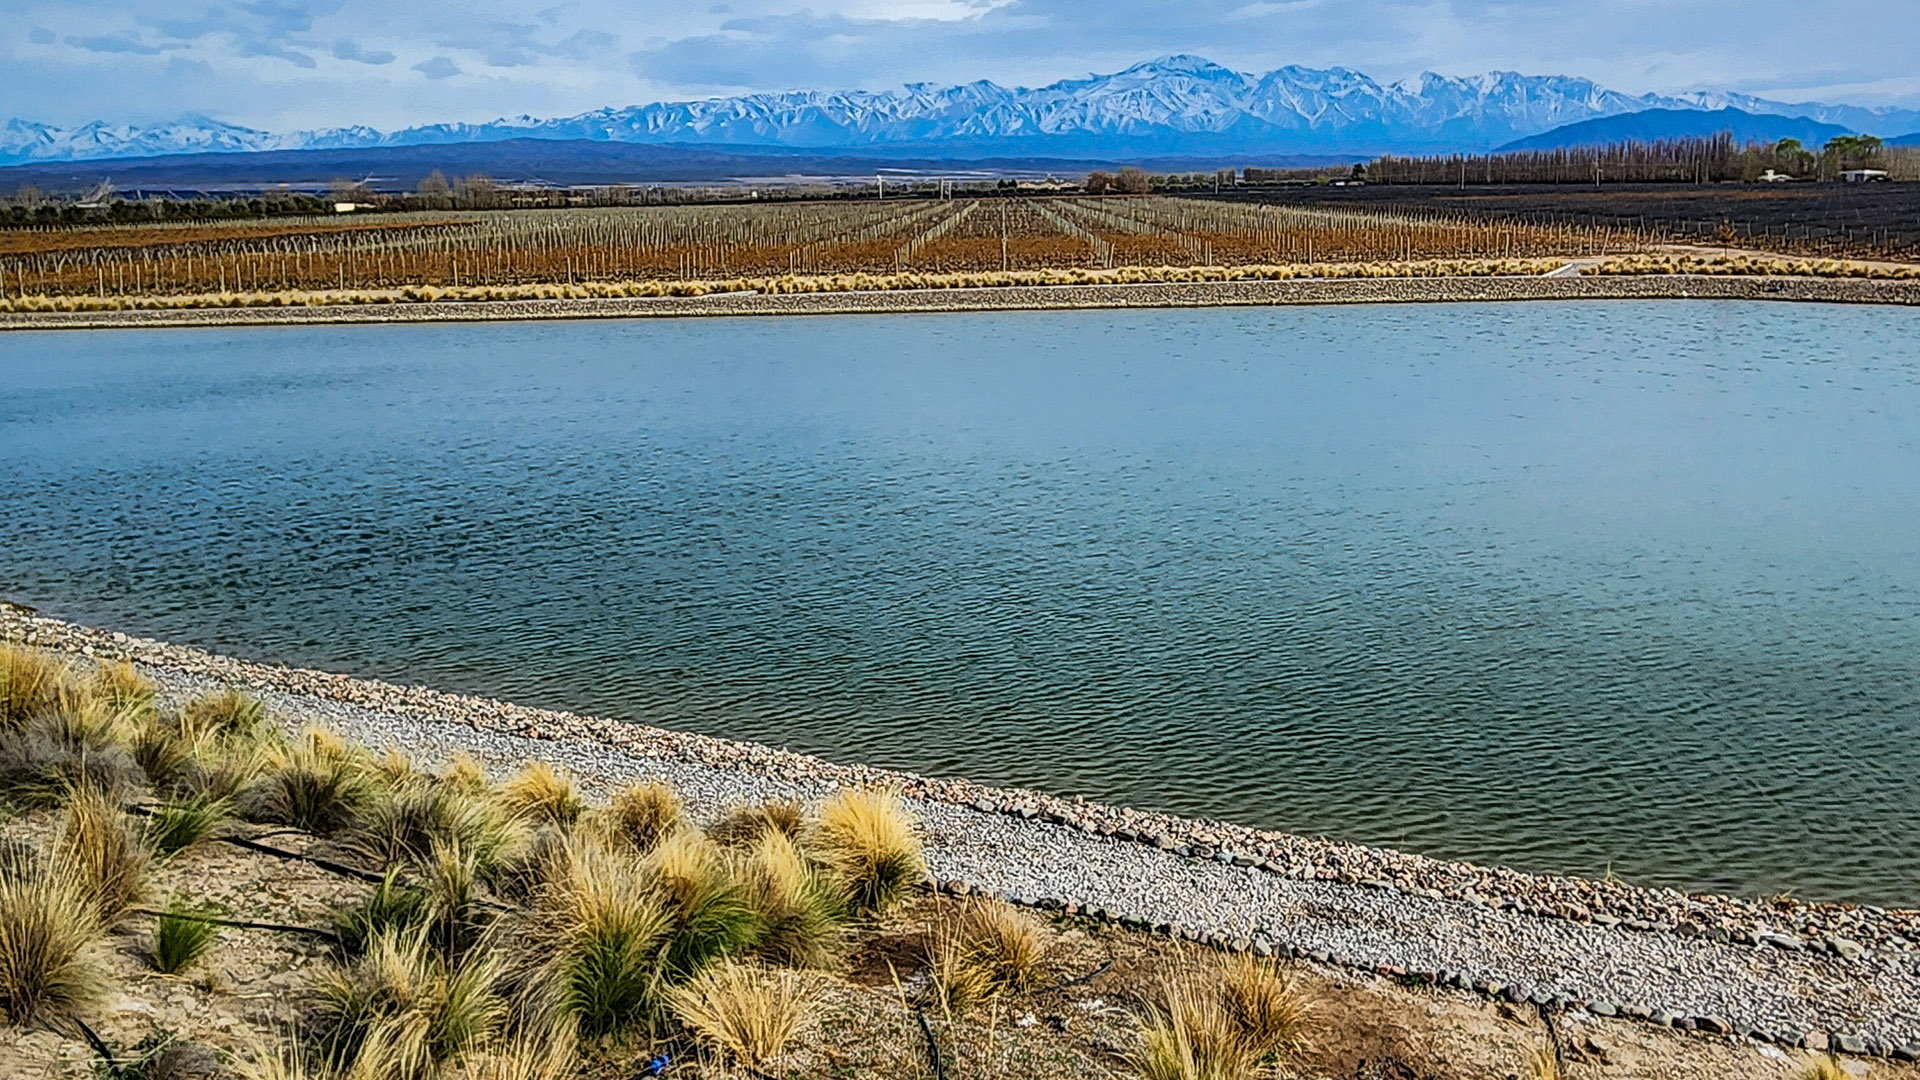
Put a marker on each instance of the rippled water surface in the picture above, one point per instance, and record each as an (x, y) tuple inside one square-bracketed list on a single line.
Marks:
[(1567, 587)]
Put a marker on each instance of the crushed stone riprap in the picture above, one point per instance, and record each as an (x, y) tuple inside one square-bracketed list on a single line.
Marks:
[(1813, 975), (1016, 298)]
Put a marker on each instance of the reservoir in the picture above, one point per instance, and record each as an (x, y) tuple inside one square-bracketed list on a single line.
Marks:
[(1594, 587)]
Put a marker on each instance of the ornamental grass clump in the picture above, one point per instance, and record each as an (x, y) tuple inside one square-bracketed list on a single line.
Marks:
[(76, 743), (31, 682), (1271, 1017), (187, 822), (540, 793), (52, 961), (641, 815), (744, 825), (181, 936), (1186, 1035), (598, 929), (1004, 942), (105, 854), (798, 903), (749, 1015), (120, 685), (227, 714), (869, 839), (405, 826), (392, 908), (401, 1011), (318, 784), (708, 910)]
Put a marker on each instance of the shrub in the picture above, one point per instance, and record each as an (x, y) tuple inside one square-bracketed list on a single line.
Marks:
[(318, 784), (399, 1010), (31, 682), (708, 910), (1269, 1015), (540, 793), (1187, 1036), (187, 822), (798, 904), (391, 909), (464, 775), (955, 980), (641, 815), (108, 859), (745, 825), (747, 1014), (50, 954), (180, 939), (869, 838), (1820, 1068)]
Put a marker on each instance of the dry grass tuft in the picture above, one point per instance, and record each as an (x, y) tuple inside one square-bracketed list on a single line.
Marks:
[(121, 686), (227, 714), (710, 914), (1820, 1068), (744, 825), (641, 815), (51, 960), (401, 1011), (409, 824), (750, 1015), (318, 784), (1259, 1003), (869, 838), (540, 793), (77, 743), (31, 682), (105, 854), (1187, 1036)]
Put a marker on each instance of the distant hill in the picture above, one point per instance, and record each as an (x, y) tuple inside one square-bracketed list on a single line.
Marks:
[(1906, 140), (1651, 124), (553, 161), (1175, 105)]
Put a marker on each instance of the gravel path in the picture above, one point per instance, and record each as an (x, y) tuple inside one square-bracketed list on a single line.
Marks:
[(1167, 294), (1488, 931)]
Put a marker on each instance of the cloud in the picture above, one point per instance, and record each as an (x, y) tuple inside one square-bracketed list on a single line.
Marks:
[(437, 68), (506, 44), (40, 35), (348, 49), (114, 43)]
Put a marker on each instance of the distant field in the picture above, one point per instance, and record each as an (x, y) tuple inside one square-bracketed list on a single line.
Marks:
[(730, 242), (1830, 220)]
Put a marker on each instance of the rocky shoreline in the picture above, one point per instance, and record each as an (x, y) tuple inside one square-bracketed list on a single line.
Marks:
[(1821, 976), (1383, 290)]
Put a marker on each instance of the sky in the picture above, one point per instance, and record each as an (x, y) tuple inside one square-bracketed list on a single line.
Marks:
[(296, 64)]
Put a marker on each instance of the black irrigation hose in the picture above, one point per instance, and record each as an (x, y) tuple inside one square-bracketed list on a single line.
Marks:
[(99, 1047), (933, 1048), (1553, 1037), (1088, 977), (327, 935)]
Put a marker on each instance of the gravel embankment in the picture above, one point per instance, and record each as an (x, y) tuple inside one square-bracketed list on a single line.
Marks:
[(1783, 974), (1013, 298)]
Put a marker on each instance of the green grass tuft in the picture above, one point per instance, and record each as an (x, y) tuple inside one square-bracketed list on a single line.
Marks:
[(51, 959), (187, 822), (180, 939), (319, 784)]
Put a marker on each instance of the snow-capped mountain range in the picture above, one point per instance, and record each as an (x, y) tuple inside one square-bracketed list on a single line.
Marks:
[(1173, 105)]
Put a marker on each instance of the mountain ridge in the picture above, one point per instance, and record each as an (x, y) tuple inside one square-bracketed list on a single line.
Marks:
[(1172, 105), (1651, 125)]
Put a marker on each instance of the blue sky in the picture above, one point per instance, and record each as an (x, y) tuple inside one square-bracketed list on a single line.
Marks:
[(284, 64)]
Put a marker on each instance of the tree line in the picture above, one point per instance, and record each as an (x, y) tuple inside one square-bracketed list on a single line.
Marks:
[(1698, 160)]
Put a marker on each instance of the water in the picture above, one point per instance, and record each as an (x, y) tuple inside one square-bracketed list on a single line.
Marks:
[(1566, 587)]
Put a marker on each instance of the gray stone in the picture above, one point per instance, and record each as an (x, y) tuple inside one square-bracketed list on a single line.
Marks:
[(1602, 1008), (1850, 1044), (1847, 948), (1783, 941), (1814, 1040), (1660, 1018), (1716, 1025)]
